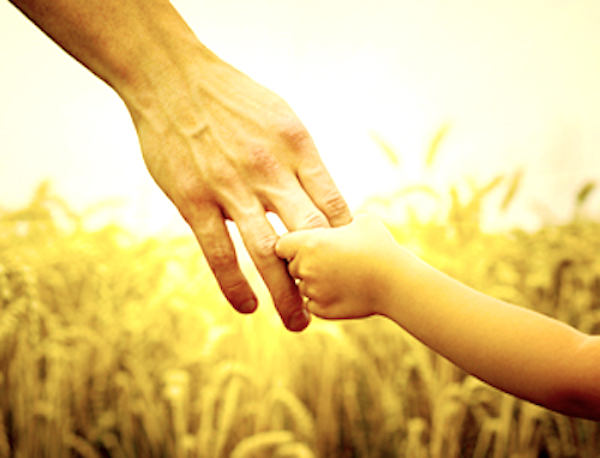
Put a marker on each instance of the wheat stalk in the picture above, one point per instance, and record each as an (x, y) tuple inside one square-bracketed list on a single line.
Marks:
[(80, 445), (261, 443)]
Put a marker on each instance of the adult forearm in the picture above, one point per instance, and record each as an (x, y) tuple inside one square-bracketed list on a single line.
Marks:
[(517, 350), (133, 45)]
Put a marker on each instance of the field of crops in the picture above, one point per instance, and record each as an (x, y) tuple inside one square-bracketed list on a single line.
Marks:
[(112, 345)]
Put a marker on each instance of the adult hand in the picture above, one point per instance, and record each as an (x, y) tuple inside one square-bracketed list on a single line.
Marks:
[(239, 153), (218, 144)]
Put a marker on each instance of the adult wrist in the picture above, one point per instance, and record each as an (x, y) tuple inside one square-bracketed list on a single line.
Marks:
[(154, 61)]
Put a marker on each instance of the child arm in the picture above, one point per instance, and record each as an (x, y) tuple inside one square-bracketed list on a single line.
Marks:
[(517, 350), (359, 270)]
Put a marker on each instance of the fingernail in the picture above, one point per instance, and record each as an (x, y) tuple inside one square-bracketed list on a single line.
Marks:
[(248, 307), (299, 320)]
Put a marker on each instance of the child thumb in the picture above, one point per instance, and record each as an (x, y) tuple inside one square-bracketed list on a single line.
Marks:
[(287, 246)]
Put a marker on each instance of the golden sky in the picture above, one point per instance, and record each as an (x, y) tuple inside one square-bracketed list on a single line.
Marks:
[(518, 81)]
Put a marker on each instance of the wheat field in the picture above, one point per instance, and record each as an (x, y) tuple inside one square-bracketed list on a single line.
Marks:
[(113, 345)]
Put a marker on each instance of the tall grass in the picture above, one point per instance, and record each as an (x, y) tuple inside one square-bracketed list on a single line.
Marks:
[(115, 346)]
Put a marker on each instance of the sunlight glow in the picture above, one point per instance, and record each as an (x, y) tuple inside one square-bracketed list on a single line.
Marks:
[(400, 70)]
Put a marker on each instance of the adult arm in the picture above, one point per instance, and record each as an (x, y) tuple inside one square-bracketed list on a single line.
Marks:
[(218, 144)]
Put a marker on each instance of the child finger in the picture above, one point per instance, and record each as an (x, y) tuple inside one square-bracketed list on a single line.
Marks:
[(287, 246), (314, 308), (303, 289), (293, 269)]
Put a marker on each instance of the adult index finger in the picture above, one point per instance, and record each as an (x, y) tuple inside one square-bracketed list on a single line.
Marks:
[(314, 177), (321, 188), (295, 208)]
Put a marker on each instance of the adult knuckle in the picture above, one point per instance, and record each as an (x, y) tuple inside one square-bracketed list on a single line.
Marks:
[(334, 205), (190, 204), (191, 190), (294, 133), (261, 159), (234, 290), (263, 247), (220, 258), (314, 220), (221, 173)]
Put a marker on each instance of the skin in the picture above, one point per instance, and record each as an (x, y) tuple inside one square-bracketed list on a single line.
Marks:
[(217, 143), (359, 270)]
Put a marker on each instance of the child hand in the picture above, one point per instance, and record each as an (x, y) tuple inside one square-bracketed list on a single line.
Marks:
[(342, 272)]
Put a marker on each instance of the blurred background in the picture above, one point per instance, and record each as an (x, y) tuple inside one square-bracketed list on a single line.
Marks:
[(517, 84)]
